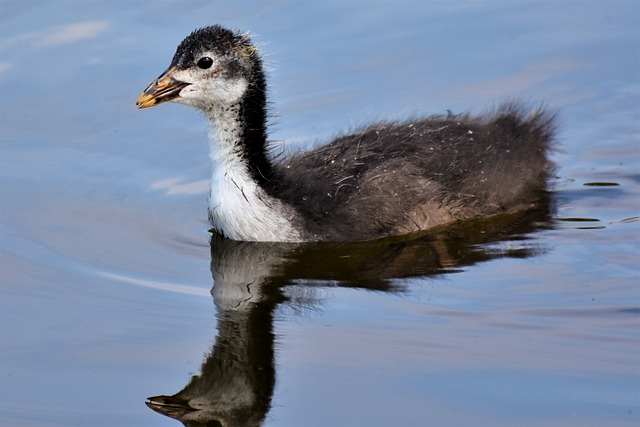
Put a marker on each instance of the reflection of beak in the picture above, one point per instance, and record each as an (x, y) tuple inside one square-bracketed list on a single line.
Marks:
[(169, 406), (164, 88)]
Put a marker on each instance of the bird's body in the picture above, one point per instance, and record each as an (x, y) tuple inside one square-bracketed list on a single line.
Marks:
[(386, 179)]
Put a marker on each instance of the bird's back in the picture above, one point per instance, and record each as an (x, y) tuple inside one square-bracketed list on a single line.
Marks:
[(398, 178)]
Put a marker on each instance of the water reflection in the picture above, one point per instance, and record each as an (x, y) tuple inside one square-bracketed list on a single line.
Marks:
[(238, 376), (237, 379)]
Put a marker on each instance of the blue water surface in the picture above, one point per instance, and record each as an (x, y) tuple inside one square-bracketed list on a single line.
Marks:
[(106, 265)]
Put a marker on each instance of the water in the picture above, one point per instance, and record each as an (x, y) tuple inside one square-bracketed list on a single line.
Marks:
[(107, 271)]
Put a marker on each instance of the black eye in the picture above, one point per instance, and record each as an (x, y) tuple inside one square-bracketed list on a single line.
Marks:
[(205, 62)]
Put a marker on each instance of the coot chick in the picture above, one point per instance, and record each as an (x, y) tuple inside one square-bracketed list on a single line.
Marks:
[(385, 179)]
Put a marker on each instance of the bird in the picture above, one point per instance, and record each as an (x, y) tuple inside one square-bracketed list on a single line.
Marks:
[(388, 178)]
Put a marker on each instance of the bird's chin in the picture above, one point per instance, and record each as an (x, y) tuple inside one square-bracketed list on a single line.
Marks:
[(196, 103)]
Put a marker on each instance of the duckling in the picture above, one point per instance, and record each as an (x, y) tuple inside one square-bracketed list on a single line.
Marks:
[(388, 178)]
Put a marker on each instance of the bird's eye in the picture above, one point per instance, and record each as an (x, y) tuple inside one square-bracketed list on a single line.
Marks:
[(205, 62)]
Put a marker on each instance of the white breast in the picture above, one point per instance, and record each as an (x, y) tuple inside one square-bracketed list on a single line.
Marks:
[(238, 207)]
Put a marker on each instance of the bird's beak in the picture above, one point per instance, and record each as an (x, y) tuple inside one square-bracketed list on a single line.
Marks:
[(163, 89)]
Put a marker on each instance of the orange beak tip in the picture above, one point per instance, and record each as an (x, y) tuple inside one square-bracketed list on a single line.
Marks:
[(145, 101)]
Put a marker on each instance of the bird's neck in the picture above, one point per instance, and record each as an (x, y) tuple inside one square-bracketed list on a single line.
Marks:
[(243, 204)]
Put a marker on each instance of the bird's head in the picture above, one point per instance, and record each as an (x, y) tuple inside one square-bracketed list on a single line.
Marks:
[(213, 66)]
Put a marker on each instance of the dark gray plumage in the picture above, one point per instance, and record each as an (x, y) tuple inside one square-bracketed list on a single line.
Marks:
[(397, 178)]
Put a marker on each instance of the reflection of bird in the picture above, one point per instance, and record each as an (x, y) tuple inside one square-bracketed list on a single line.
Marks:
[(255, 280), (386, 179)]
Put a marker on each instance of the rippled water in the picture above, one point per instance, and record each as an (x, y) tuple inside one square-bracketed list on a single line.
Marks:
[(107, 271)]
